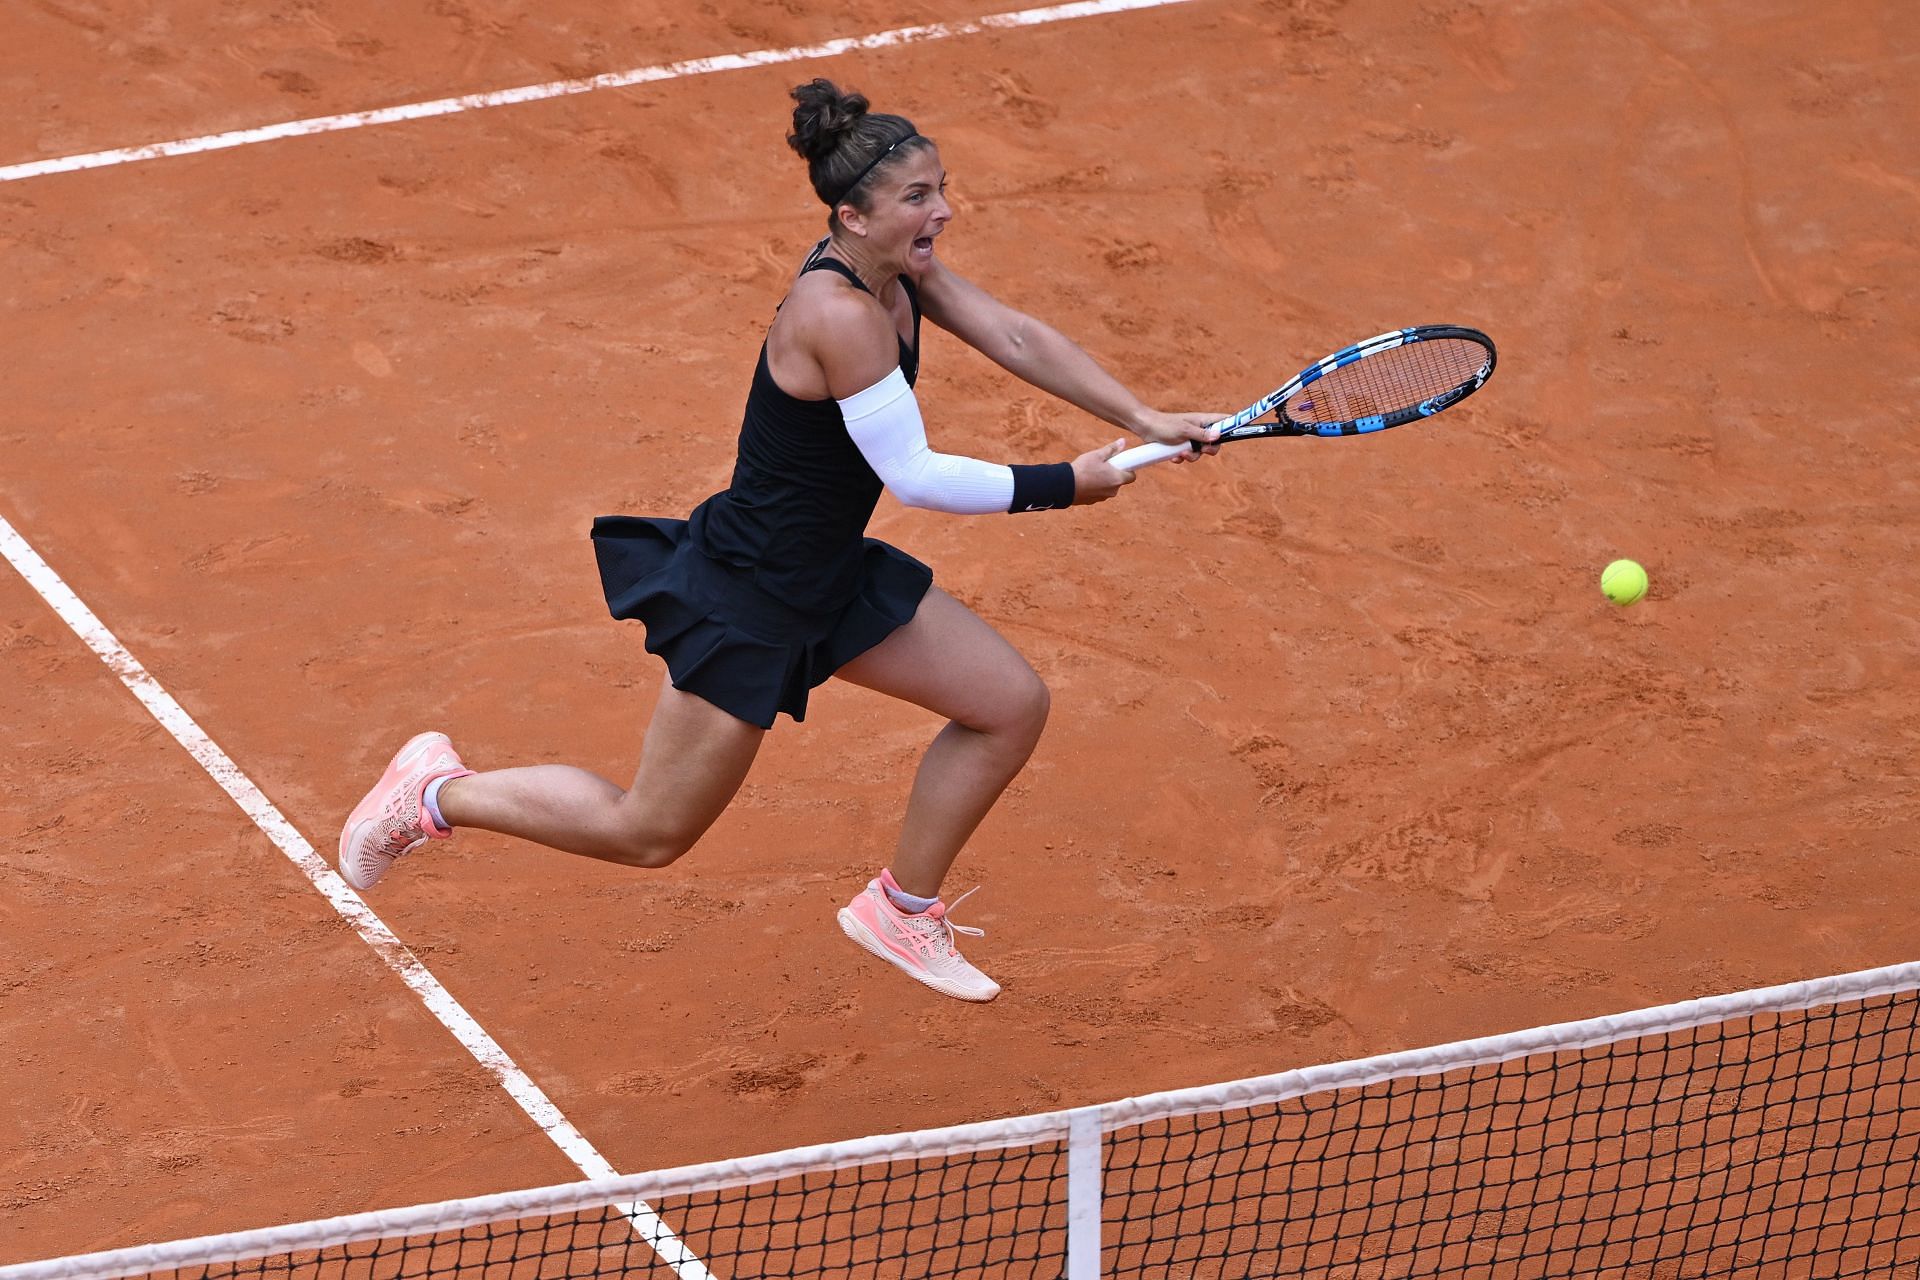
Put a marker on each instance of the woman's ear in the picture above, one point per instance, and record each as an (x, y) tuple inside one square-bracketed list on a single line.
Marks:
[(853, 220)]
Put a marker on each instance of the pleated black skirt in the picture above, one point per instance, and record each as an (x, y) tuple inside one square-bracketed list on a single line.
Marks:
[(725, 639)]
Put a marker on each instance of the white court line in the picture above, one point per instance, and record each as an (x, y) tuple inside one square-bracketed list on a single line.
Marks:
[(439, 1001), (564, 88)]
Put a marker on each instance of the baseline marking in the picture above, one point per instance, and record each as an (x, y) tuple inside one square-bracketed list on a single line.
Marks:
[(565, 88), (372, 930)]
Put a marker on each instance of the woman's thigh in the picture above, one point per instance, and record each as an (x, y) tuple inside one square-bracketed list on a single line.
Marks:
[(694, 760), (952, 663)]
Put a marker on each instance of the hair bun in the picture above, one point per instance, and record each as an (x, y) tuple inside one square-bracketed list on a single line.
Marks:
[(821, 116)]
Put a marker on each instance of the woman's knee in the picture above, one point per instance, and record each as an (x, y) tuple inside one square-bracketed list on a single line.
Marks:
[(1023, 713), (1040, 704), (651, 847)]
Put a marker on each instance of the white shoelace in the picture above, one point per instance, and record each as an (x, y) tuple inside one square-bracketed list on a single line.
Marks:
[(946, 917), (945, 923)]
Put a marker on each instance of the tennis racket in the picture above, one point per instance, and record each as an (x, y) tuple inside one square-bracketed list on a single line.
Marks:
[(1402, 376)]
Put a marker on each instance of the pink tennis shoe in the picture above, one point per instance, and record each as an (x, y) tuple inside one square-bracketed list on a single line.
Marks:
[(393, 820), (922, 945)]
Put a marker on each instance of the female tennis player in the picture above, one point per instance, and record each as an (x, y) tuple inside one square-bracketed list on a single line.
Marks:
[(771, 587)]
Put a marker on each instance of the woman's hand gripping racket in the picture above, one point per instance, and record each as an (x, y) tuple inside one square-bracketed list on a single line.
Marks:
[(1406, 375)]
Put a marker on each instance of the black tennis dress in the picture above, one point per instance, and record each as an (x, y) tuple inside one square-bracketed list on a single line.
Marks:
[(771, 585)]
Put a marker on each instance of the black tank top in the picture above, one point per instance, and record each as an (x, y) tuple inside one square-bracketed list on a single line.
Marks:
[(797, 509)]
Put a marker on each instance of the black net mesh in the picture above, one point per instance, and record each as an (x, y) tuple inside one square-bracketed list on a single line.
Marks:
[(1780, 1144), (998, 1213)]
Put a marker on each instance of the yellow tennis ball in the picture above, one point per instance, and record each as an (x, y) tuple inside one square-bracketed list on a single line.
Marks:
[(1623, 581)]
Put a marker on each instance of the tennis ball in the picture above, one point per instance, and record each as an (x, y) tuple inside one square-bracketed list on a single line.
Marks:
[(1623, 581)]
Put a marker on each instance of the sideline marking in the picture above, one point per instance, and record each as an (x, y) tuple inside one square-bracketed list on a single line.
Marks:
[(372, 930), (565, 88)]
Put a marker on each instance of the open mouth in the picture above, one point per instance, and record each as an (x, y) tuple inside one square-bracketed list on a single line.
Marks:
[(923, 244)]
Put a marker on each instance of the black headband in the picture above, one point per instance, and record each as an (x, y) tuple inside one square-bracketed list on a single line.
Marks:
[(861, 176)]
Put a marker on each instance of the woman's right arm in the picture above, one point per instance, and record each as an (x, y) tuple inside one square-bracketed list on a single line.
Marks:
[(853, 340), (849, 335)]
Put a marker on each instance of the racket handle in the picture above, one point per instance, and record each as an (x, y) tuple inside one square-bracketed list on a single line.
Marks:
[(1144, 455)]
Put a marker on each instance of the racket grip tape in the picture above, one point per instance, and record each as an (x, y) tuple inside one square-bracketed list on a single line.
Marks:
[(1143, 455)]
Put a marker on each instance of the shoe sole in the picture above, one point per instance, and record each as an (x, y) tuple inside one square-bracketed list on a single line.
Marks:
[(863, 937), (359, 822)]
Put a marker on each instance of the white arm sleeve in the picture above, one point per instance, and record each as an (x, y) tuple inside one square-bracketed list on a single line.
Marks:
[(884, 421)]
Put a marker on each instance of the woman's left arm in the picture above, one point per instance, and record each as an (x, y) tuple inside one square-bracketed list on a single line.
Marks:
[(1037, 353)]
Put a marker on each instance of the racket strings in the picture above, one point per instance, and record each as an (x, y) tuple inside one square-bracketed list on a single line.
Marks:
[(1388, 382)]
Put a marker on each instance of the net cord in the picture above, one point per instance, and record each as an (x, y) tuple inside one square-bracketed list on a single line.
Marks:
[(1022, 1131)]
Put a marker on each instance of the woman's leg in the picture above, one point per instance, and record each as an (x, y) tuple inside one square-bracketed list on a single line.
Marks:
[(694, 760), (953, 664)]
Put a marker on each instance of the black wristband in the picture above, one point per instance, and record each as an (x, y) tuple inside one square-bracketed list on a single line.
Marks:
[(1042, 488)]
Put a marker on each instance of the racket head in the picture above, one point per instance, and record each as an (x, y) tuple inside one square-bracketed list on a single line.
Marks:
[(1397, 377), (1402, 376)]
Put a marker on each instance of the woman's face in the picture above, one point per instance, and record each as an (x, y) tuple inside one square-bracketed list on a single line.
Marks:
[(906, 209)]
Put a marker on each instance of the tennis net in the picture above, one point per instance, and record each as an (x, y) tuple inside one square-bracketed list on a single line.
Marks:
[(1772, 1132)]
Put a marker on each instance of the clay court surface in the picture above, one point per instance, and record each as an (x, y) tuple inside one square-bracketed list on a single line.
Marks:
[(1348, 754)]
